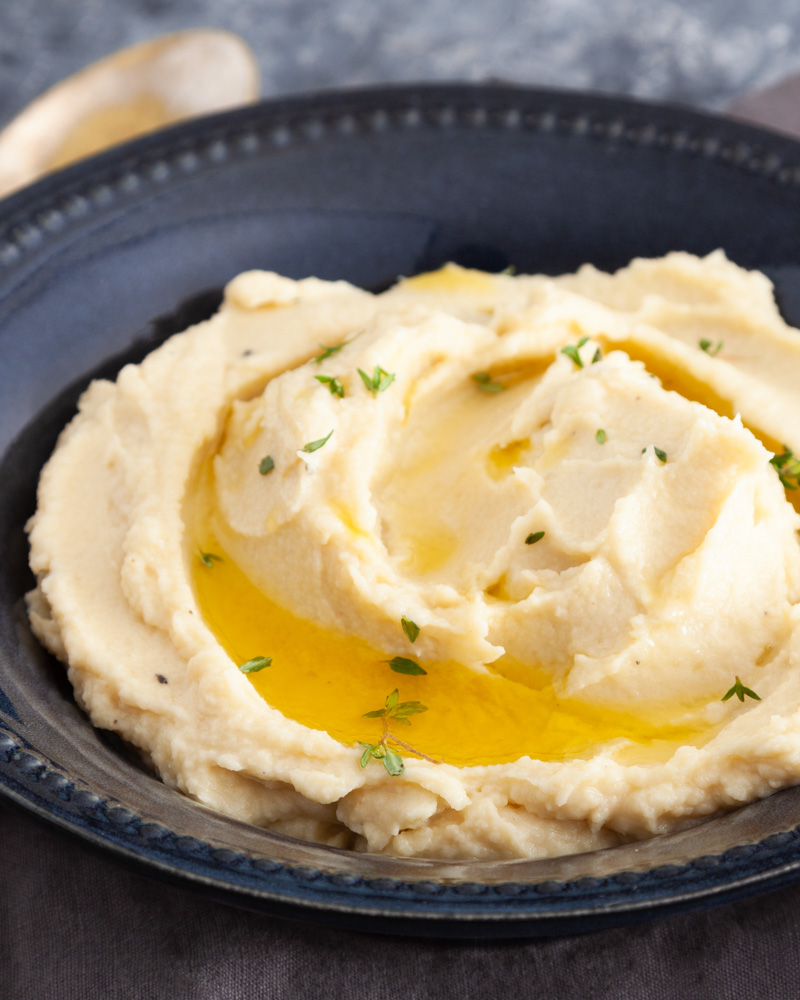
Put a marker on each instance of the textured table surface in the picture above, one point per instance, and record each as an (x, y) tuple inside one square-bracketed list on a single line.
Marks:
[(705, 52), (72, 923)]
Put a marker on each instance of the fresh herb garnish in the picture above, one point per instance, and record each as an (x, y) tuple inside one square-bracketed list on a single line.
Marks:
[(571, 351), (316, 445), (740, 691), (485, 383), (787, 467), (256, 664), (600, 436), (597, 356), (209, 558), (402, 665), (327, 352), (398, 712), (378, 381), (534, 537), (660, 455), (510, 270), (392, 760), (410, 628), (335, 386), (706, 345), (266, 465)]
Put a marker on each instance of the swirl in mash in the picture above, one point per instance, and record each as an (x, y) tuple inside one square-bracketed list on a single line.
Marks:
[(422, 499), (606, 517)]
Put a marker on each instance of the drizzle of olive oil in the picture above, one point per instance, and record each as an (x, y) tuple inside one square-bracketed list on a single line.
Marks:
[(503, 458), (430, 544), (442, 427), (327, 681), (677, 379)]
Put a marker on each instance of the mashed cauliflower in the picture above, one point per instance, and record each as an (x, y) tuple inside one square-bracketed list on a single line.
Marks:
[(543, 512)]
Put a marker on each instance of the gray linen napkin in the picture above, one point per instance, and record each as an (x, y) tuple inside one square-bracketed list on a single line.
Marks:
[(75, 926)]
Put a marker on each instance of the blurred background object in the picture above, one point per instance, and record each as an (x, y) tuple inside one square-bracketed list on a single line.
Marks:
[(704, 52), (777, 107), (128, 93)]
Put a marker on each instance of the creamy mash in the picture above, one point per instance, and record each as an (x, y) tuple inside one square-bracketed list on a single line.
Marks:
[(462, 570)]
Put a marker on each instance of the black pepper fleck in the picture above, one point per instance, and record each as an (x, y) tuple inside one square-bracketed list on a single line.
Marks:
[(162, 679)]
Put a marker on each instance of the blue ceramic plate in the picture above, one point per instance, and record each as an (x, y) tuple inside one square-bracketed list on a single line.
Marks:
[(101, 262)]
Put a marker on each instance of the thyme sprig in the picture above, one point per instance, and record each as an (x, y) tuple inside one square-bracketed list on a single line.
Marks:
[(378, 381), (787, 467), (397, 712), (333, 383), (571, 351), (327, 352), (740, 691)]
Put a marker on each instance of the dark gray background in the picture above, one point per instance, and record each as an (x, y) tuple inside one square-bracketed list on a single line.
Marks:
[(72, 923), (705, 52)]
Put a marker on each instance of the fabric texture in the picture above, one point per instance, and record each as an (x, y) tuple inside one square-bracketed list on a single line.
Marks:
[(76, 926)]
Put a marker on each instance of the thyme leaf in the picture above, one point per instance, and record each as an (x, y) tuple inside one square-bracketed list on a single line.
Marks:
[(485, 382), (327, 352), (402, 665), (572, 352), (534, 537), (209, 558), (393, 762), (256, 664), (395, 711), (787, 467), (379, 381), (316, 445), (660, 455), (410, 628), (266, 465), (335, 386), (740, 691)]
